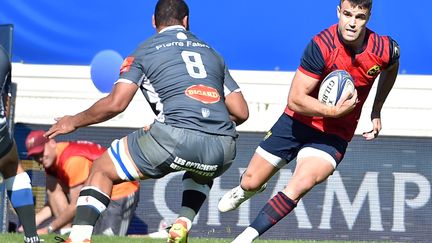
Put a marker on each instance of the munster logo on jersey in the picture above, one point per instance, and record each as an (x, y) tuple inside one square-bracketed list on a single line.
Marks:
[(205, 94), (373, 71)]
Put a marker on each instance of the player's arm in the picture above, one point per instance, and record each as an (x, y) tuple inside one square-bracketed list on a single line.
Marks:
[(69, 212), (102, 110), (59, 204), (57, 197), (44, 214), (234, 100), (386, 81), (300, 100), (306, 79), (56, 200), (237, 107), (385, 84)]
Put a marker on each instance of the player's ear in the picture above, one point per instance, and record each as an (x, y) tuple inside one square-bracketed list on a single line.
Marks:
[(338, 11), (185, 22), (153, 21), (369, 15)]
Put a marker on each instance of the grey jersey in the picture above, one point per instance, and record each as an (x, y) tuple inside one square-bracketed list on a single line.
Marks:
[(184, 80)]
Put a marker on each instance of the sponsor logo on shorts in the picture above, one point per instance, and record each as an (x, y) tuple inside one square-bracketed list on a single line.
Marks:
[(195, 167), (269, 133), (125, 67), (205, 94)]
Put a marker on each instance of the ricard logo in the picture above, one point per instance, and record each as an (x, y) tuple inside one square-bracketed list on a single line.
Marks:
[(205, 94)]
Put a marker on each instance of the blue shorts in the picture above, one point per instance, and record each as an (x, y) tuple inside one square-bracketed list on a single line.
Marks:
[(288, 136)]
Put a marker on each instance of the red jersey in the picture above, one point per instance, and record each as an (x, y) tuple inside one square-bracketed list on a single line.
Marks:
[(326, 53), (74, 160)]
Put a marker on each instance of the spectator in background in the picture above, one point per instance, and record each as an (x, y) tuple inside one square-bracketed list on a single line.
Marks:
[(17, 181), (315, 133), (67, 166), (198, 105)]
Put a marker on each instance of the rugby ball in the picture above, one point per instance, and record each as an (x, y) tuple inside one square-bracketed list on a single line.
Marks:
[(334, 86)]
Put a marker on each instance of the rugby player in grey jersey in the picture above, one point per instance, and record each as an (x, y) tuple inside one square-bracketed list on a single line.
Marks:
[(198, 105), (17, 181)]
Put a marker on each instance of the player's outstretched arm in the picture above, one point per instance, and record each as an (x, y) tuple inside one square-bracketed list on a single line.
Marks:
[(103, 110)]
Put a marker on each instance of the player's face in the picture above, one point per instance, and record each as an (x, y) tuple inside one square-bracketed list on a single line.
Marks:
[(352, 22), (47, 157)]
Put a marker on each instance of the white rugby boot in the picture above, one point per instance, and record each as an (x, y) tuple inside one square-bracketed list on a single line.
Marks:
[(236, 196)]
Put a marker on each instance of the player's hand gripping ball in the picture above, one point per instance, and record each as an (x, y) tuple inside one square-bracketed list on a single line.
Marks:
[(334, 86)]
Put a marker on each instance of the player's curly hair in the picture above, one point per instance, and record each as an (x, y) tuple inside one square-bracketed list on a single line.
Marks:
[(170, 12), (365, 4)]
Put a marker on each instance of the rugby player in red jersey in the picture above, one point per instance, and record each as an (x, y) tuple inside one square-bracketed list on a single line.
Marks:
[(313, 132)]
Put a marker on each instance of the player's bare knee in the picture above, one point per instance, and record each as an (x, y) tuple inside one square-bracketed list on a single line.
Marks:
[(250, 182)]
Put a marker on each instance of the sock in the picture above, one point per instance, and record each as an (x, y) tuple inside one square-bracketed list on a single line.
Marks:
[(33, 239), (194, 195), (91, 203), (20, 195), (248, 235), (273, 211)]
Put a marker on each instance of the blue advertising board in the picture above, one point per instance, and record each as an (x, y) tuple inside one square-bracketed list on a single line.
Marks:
[(380, 192)]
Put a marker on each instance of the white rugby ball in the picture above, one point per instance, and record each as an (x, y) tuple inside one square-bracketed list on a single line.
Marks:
[(334, 86)]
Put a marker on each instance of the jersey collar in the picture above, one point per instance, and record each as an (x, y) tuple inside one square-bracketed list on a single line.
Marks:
[(173, 27), (353, 52)]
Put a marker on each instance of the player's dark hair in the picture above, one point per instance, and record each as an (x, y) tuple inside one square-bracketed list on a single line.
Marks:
[(363, 4), (170, 12)]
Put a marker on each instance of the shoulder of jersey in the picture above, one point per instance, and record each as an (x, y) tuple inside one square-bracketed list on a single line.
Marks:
[(326, 39)]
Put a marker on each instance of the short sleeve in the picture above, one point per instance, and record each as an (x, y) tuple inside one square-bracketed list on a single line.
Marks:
[(132, 70), (312, 60), (230, 85)]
